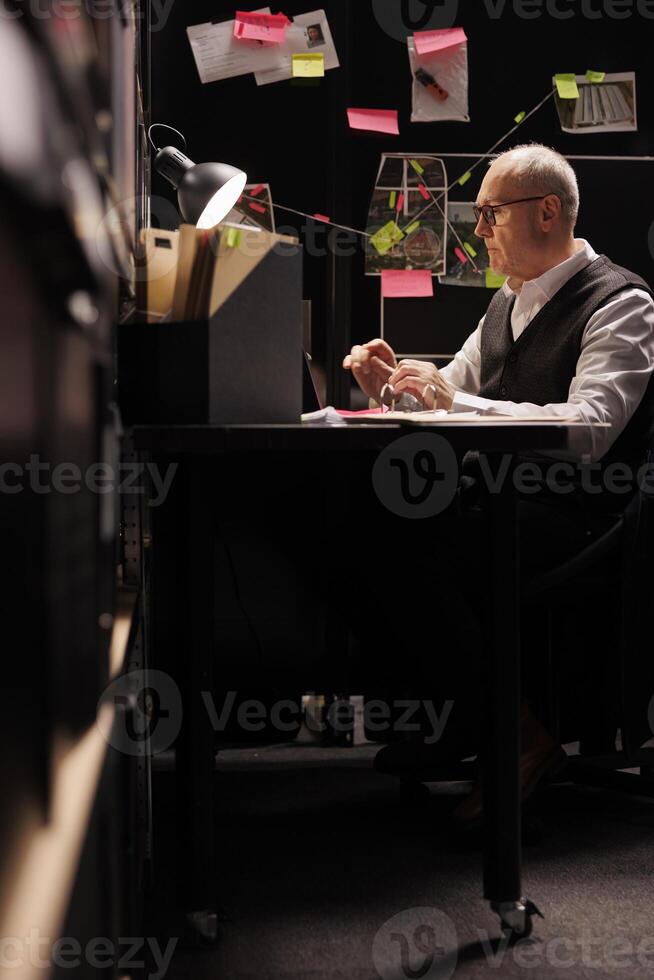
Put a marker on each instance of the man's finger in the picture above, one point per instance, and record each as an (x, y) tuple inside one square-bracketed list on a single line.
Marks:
[(410, 384), (382, 349), (380, 366), (361, 359)]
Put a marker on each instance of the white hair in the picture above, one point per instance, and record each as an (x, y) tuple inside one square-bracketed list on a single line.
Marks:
[(541, 170)]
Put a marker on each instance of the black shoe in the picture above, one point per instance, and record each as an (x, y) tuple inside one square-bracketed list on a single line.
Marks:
[(416, 759)]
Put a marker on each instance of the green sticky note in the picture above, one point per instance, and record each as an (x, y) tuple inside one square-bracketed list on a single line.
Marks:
[(416, 166), (233, 239), (520, 117), (308, 66), (465, 178), (567, 86), (384, 239), (392, 199), (470, 250), (411, 228), (595, 77), (493, 280)]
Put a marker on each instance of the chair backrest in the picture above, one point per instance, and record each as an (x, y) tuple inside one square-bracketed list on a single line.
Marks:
[(637, 662)]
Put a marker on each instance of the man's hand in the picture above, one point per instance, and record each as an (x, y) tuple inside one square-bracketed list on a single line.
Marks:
[(372, 364), (414, 376)]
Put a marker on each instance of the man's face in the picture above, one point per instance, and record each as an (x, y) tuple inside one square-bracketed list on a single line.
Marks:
[(313, 34), (514, 241)]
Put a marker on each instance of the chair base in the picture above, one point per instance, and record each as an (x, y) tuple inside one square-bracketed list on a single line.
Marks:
[(608, 772)]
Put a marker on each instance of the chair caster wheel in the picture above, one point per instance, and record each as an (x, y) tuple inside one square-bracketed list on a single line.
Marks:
[(516, 918), (414, 793)]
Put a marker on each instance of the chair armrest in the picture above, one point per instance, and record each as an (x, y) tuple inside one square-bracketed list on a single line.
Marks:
[(603, 547)]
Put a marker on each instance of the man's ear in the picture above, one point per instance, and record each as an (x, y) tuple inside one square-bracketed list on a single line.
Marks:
[(551, 208)]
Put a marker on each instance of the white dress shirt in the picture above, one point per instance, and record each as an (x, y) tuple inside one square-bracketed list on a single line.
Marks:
[(614, 366)]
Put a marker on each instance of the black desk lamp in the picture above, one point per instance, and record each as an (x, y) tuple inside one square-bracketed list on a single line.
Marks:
[(206, 192)]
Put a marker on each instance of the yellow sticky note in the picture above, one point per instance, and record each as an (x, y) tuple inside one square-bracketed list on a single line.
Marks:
[(470, 250), (416, 166), (493, 280), (567, 86), (392, 199), (595, 77), (411, 228), (233, 239), (465, 178), (520, 117), (308, 66), (384, 239)]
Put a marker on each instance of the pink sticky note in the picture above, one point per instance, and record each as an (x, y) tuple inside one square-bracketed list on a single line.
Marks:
[(257, 190), (375, 120), (322, 217), (257, 207), (427, 42), (425, 193), (461, 256), (399, 283), (260, 27), (400, 202)]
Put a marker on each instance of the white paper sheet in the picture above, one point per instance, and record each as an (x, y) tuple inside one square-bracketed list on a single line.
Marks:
[(300, 40), (219, 55)]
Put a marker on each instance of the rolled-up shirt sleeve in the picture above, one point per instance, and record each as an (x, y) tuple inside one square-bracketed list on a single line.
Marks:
[(613, 370)]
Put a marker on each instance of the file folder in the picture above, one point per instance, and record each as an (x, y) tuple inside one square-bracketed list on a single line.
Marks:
[(242, 364)]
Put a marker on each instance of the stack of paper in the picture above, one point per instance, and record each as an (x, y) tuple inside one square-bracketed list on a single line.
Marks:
[(263, 43), (308, 34)]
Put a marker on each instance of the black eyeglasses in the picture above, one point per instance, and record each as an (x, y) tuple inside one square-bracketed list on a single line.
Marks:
[(488, 210)]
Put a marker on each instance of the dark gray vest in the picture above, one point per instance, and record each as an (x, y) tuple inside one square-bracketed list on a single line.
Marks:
[(539, 366)]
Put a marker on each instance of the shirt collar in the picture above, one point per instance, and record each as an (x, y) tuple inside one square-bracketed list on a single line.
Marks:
[(552, 280)]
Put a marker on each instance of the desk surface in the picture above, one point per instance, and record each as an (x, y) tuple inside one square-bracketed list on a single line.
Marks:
[(201, 439)]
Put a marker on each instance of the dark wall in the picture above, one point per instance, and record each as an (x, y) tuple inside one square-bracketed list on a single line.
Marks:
[(297, 137)]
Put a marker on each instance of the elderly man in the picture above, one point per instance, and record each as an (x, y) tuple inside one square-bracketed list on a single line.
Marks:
[(571, 335)]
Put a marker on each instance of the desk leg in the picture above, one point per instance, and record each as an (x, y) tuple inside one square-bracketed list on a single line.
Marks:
[(195, 753), (502, 801)]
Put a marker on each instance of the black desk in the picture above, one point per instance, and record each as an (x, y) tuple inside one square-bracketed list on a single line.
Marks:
[(191, 522)]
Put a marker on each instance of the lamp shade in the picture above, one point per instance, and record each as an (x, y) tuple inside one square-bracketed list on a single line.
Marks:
[(206, 192)]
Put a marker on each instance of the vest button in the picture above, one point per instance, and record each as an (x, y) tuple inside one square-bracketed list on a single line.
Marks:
[(504, 391)]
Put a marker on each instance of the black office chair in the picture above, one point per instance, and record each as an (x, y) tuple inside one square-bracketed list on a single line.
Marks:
[(617, 563), (616, 566)]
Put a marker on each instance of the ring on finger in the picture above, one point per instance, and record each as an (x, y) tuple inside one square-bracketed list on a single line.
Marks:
[(434, 391)]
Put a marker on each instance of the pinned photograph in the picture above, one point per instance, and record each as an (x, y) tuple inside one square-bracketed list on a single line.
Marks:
[(608, 106), (254, 209), (467, 257), (406, 220), (315, 36)]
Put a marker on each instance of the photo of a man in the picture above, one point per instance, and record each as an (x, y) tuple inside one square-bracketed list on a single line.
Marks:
[(315, 36)]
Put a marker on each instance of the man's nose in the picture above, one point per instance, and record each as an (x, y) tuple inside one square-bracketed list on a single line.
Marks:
[(483, 229)]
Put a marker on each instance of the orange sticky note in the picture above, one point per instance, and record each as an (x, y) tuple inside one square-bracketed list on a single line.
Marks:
[(461, 256), (375, 120), (427, 42), (260, 27), (404, 284)]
